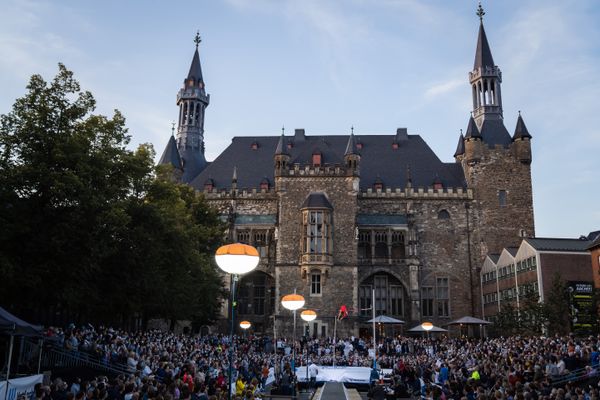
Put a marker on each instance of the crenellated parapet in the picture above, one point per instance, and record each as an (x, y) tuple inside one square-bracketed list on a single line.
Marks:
[(419, 193)]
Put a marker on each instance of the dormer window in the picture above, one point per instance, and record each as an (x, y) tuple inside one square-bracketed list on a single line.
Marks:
[(437, 183), (264, 184), (254, 145), (395, 145), (209, 185), (359, 146), (378, 185), (290, 144), (316, 159)]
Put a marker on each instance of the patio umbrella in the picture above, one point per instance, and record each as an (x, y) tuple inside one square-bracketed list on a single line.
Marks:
[(469, 321), (419, 328), (384, 319)]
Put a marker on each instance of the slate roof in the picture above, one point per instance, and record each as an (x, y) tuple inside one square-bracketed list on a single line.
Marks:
[(594, 244), (521, 130), (494, 257), (193, 163), (472, 130), (512, 250), (351, 146), (483, 54), (195, 69), (171, 155), (494, 132), (317, 200), (556, 244), (378, 158), (460, 147)]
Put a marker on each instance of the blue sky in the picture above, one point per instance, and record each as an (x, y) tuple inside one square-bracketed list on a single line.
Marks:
[(326, 65)]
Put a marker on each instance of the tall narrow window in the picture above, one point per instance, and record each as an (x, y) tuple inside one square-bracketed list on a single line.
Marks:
[(318, 233), (442, 297), (315, 283), (502, 198), (396, 300), (427, 301), (365, 296), (380, 295)]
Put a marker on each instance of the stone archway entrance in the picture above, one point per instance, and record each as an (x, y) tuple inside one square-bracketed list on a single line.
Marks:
[(391, 299), (256, 300)]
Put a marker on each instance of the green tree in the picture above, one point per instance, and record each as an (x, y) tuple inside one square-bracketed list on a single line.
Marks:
[(558, 307), (86, 226), (506, 322)]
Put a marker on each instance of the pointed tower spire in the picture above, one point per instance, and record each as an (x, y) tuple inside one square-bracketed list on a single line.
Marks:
[(192, 101), (171, 155), (483, 54), (521, 131), (351, 146), (460, 147), (281, 145), (485, 81), (195, 73), (472, 130)]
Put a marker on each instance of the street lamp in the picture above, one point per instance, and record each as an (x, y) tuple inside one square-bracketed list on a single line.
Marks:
[(293, 302), (307, 315), (427, 326), (245, 325), (235, 259)]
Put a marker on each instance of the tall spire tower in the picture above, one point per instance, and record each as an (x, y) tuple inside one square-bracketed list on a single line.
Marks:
[(192, 101), (485, 80)]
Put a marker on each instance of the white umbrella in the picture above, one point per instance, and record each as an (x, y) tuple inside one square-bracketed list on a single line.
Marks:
[(384, 319), (419, 328), (469, 321)]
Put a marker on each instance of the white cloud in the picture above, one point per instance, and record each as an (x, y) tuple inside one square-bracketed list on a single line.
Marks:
[(440, 89)]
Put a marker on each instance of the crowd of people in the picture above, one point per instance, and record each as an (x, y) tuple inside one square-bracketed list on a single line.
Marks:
[(166, 366)]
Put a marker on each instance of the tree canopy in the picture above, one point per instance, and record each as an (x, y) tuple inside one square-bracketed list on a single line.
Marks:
[(87, 226)]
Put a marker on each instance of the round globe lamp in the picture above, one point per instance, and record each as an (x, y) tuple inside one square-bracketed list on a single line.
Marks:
[(308, 315), (245, 325), (237, 258), (292, 302), (427, 326)]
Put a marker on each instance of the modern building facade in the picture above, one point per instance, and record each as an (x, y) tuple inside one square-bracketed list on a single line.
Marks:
[(338, 217), (508, 277)]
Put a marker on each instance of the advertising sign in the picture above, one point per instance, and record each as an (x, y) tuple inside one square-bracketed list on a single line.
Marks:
[(582, 307)]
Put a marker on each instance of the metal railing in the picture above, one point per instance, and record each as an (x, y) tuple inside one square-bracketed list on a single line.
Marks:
[(53, 356), (577, 375)]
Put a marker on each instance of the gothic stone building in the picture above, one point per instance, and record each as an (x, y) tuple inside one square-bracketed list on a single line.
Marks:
[(337, 216)]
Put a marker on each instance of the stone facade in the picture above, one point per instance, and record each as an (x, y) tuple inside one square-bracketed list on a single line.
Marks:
[(338, 218)]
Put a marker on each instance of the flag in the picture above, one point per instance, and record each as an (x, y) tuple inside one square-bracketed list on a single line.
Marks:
[(343, 313)]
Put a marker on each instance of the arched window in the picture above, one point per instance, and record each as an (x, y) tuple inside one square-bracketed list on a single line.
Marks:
[(364, 245), (443, 214)]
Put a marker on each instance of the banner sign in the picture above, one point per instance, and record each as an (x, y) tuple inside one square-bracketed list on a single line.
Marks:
[(356, 375), (582, 313), (20, 387)]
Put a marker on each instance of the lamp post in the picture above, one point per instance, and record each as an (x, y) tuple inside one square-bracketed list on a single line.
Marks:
[(235, 259), (307, 315), (293, 302)]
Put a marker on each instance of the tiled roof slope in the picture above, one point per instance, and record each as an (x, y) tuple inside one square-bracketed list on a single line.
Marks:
[(552, 244), (378, 159)]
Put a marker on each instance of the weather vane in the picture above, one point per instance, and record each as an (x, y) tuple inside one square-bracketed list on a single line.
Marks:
[(197, 38), (480, 13), (173, 128), (283, 129), (352, 129)]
